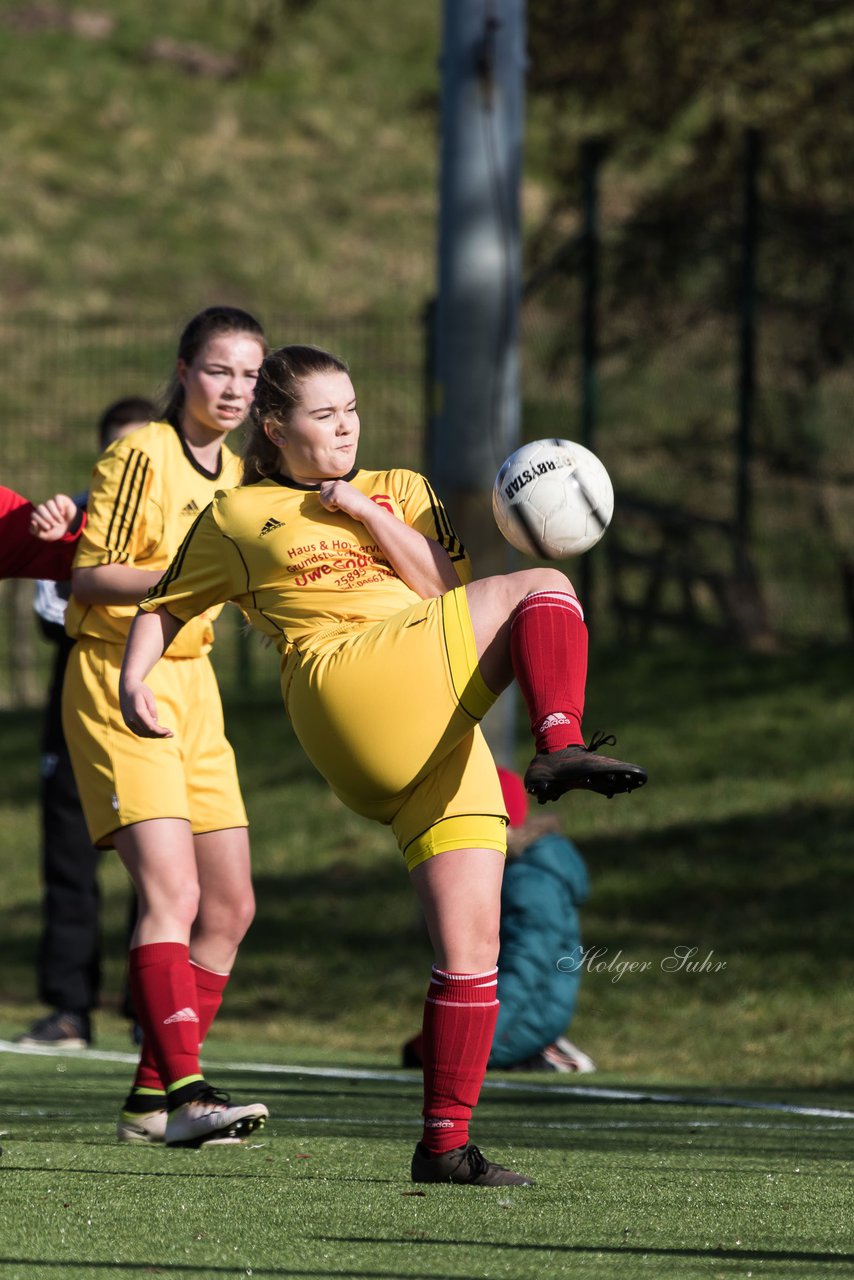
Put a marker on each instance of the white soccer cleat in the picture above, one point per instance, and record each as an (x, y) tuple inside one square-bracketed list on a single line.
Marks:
[(148, 1126), (563, 1055), (211, 1120)]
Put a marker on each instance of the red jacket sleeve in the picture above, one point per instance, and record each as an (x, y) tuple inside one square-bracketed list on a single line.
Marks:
[(22, 555)]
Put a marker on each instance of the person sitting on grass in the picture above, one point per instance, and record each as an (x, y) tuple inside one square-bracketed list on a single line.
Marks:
[(390, 658)]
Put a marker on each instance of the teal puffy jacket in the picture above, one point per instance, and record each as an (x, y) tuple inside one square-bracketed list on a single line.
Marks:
[(542, 891)]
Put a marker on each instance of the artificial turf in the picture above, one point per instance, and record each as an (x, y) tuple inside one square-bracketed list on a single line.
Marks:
[(681, 1188)]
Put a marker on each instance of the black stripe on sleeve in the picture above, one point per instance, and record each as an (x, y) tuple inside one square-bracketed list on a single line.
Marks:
[(120, 491), (177, 560), (129, 491), (445, 535), (137, 486)]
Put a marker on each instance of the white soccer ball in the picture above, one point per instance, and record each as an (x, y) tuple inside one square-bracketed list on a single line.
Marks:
[(553, 499)]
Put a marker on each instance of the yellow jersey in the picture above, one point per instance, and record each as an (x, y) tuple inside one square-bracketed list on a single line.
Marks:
[(301, 574), (146, 491)]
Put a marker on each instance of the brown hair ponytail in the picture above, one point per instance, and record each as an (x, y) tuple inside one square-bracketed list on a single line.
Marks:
[(208, 324)]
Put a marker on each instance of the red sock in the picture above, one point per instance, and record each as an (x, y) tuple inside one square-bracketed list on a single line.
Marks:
[(459, 1022), (163, 988), (209, 988), (548, 649), (147, 1076)]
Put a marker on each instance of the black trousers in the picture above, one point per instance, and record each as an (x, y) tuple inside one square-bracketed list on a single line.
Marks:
[(69, 961)]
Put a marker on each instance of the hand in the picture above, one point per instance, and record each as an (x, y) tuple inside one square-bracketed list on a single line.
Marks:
[(51, 520), (139, 710), (340, 495)]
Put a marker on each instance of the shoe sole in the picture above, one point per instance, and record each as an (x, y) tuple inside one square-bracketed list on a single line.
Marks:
[(423, 1174), (610, 784), (451, 1182), (138, 1136), (232, 1134)]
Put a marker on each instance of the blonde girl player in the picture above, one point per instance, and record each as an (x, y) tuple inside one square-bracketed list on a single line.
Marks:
[(390, 657), (172, 809)]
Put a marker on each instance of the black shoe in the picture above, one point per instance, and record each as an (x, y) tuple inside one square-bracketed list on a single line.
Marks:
[(551, 773), (59, 1030), (467, 1165)]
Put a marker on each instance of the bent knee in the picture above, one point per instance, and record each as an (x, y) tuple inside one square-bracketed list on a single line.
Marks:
[(548, 580)]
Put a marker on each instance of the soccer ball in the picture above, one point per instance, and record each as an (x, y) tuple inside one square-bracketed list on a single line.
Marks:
[(553, 499)]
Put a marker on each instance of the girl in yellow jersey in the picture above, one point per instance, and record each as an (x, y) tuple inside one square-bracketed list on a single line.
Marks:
[(173, 810), (390, 657)]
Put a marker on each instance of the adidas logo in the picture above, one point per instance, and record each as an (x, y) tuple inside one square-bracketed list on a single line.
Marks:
[(271, 526), (191, 509), (183, 1015)]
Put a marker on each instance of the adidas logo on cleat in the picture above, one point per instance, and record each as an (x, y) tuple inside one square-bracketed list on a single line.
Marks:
[(191, 509), (271, 526)]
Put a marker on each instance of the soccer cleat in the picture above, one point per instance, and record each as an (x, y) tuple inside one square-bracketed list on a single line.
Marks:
[(578, 768), (146, 1126), (563, 1055), (58, 1030), (211, 1120), (467, 1166)]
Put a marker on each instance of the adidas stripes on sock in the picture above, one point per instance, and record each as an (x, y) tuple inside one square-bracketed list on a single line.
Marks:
[(548, 649), (163, 987)]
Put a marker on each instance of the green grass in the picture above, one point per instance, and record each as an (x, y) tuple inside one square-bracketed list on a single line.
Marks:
[(134, 188), (739, 846), (623, 1188)]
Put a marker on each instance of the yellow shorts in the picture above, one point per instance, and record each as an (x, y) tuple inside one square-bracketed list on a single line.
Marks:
[(124, 779), (389, 716)]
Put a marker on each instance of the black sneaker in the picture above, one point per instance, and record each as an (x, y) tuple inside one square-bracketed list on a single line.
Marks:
[(466, 1165), (58, 1030), (551, 773)]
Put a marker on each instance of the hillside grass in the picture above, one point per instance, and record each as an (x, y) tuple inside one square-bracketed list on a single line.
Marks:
[(134, 187), (296, 173), (739, 847)]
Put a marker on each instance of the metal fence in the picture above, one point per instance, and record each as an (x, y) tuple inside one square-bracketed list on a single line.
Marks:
[(708, 359)]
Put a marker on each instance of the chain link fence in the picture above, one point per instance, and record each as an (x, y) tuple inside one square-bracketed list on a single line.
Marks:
[(716, 381)]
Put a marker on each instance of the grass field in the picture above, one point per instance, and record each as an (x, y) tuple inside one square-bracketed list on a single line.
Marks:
[(624, 1187), (740, 847)]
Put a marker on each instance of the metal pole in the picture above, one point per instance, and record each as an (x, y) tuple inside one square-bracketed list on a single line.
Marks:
[(475, 421), (477, 309), (747, 362), (591, 157)]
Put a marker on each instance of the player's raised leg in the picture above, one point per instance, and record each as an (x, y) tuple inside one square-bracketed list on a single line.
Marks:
[(460, 892), (531, 625)]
